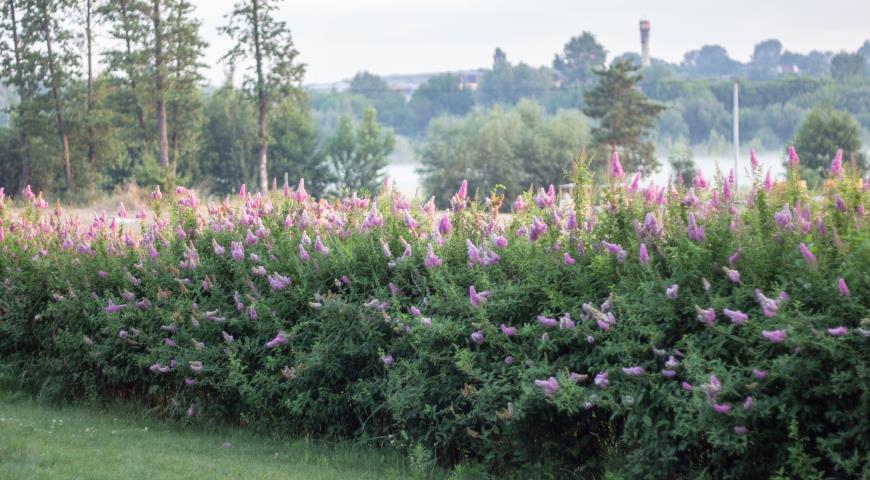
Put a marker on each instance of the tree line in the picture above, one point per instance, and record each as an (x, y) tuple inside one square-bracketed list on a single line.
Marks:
[(148, 115), (86, 119)]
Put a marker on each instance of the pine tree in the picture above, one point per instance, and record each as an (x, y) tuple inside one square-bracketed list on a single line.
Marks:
[(43, 25), (89, 42), (127, 64), (273, 70), (625, 116), (160, 60), (184, 104), (158, 70), (16, 72)]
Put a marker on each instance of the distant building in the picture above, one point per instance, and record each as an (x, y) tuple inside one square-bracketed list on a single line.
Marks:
[(789, 68), (470, 79)]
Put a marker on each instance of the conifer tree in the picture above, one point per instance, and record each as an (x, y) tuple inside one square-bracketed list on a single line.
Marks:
[(625, 116), (264, 47)]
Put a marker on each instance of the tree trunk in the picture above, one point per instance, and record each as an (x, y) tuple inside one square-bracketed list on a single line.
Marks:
[(23, 145), (92, 154), (160, 94), (262, 123), (55, 93), (24, 94), (262, 102), (175, 139)]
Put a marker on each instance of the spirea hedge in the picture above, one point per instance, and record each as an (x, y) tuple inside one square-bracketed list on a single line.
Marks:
[(645, 331)]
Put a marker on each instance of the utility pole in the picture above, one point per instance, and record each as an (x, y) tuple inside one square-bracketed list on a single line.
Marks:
[(736, 139)]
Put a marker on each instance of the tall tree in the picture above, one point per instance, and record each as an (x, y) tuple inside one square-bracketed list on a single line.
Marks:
[(766, 58), (159, 75), (440, 94), (89, 53), (185, 50), (710, 61), (359, 155), (16, 73), (846, 65), (507, 83), (579, 56), (767, 53), (390, 104), (229, 136), (625, 116), (273, 71), (45, 24), (127, 25), (821, 133)]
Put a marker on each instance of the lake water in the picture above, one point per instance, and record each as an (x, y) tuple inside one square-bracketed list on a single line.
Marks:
[(408, 181)]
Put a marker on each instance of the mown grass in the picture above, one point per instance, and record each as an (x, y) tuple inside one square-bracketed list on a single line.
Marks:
[(38, 441)]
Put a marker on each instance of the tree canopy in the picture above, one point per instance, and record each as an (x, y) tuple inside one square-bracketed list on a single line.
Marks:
[(822, 132), (625, 116), (578, 57)]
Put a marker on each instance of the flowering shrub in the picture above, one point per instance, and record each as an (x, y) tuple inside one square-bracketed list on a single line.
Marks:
[(669, 332)]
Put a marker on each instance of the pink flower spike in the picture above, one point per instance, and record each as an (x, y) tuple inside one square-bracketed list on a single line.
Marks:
[(634, 371), (837, 164), (478, 299), (775, 336), (550, 386), (644, 254), (616, 167), (463, 190), (808, 255), (432, 260), (793, 159), (838, 331), (736, 316), (508, 331), (387, 360), (768, 182), (842, 287)]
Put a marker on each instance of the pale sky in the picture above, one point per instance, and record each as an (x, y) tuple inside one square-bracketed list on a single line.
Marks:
[(337, 38)]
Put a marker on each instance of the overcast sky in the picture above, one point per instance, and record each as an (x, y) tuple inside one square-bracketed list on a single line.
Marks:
[(337, 38)]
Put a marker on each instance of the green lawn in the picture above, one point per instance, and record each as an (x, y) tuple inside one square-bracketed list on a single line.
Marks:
[(43, 442)]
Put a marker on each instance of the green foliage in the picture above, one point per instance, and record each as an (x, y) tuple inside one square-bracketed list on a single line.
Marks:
[(625, 116), (439, 95), (579, 57), (358, 155), (507, 84), (821, 133), (514, 148), (390, 104), (447, 383), (682, 163), (709, 61), (846, 65)]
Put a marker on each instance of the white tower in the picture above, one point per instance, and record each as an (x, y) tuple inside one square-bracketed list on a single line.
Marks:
[(644, 43)]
